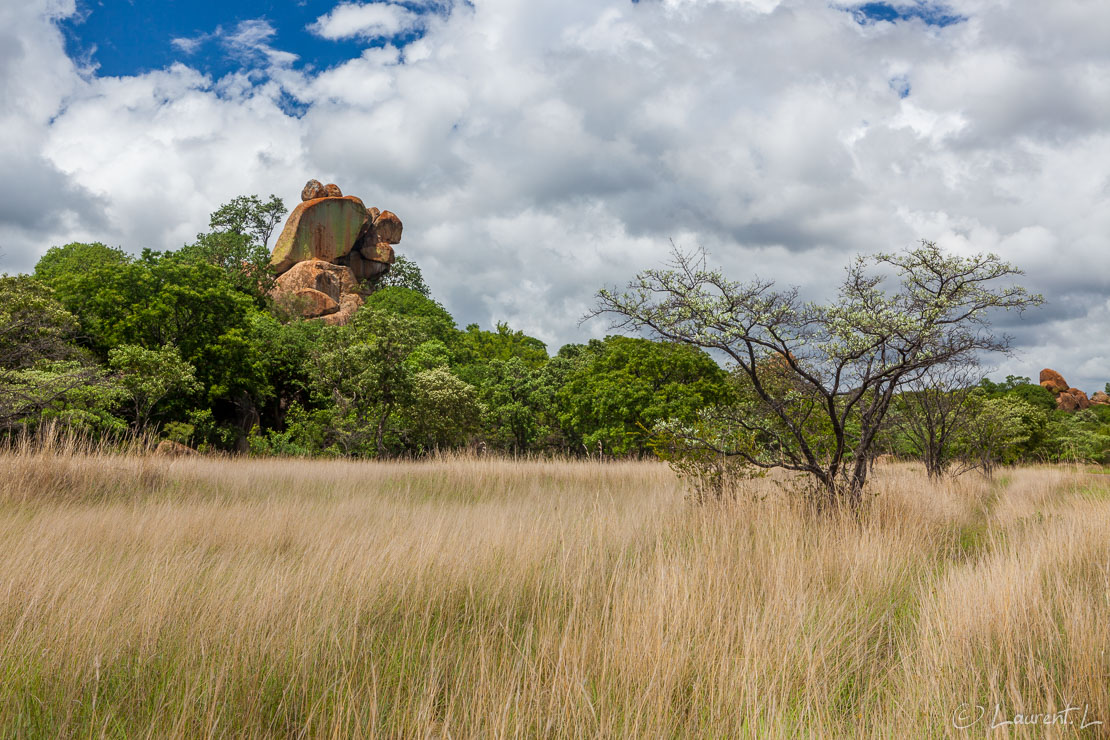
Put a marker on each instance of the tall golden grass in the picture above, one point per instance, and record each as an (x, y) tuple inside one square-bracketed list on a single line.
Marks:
[(193, 597)]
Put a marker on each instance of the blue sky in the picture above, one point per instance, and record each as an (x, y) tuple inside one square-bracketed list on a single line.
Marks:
[(538, 150), (129, 38)]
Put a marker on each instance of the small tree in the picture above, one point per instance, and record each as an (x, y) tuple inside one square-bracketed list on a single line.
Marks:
[(405, 273), (995, 426), (822, 377), (148, 376), (931, 412), (250, 216)]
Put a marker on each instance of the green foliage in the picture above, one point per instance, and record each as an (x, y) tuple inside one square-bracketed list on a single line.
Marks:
[(696, 452), (477, 349), (444, 411), (245, 263), (996, 426), (405, 273), (33, 325), (621, 385), (148, 376), (249, 216), (430, 318), (518, 402)]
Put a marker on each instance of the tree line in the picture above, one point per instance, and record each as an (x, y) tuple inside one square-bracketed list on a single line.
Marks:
[(187, 345)]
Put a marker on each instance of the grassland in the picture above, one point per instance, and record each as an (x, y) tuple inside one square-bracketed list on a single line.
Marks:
[(146, 597)]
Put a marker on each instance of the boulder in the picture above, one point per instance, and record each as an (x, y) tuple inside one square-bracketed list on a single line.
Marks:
[(313, 189), (319, 275), (380, 252), (364, 269), (348, 304), (387, 228), (311, 303), (1053, 381), (322, 228), (332, 190), (170, 448), (1072, 399), (1100, 398)]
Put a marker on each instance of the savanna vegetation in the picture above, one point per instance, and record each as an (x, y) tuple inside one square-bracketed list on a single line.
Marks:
[(477, 597), (402, 528), (187, 346)]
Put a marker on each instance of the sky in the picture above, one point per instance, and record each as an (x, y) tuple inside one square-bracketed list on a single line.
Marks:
[(538, 151)]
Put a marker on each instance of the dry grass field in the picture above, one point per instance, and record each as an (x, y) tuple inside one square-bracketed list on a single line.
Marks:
[(147, 597)]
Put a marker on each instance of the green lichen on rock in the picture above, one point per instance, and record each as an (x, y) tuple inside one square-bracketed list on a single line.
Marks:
[(322, 228)]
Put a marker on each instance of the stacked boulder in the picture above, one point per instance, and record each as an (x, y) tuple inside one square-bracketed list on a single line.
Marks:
[(1069, 399), (330, 253)]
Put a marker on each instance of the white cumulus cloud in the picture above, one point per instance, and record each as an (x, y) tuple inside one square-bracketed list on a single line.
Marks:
[(537, 151), (366, 20)]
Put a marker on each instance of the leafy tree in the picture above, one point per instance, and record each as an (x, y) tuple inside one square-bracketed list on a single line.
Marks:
[(444, 411), (245, 263), (622, 385), (434, 320), (518, 403), (43, 375), (995, 427), (931, 412), (365, 375), (405, 273), (33, 325), (844, 361), (477, 348), (148, 376), (96, 284), (248, 215)]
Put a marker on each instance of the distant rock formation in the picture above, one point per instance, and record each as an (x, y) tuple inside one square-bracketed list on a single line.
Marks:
[(1053, 381), (1067, 398), (330, 247), (1100, 398)]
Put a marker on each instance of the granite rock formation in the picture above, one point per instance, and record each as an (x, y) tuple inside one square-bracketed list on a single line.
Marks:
[(331, 252), (1067, 398)]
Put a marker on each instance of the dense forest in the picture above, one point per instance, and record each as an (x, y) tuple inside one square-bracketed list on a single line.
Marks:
[(187, 346)]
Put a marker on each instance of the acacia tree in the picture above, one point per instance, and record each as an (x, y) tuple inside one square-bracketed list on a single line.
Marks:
[(933, 410), (821, 378)]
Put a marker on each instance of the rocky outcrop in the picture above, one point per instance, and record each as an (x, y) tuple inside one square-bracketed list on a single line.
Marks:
[(331, 252), (1072, 399), (1053, 381), (1067, 398), (1100, 398)]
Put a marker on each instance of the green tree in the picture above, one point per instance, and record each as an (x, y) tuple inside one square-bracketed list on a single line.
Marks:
[(518, 404), (148, 376), (250, 216), (621, 385), (42, 374), (364, 376), (405, 273), (476, 349), (96, 284), (995, 427), (444, 411), (434, 319), (846, 360)]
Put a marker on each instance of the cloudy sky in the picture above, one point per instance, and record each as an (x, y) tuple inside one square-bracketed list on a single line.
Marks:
[(539, 149)]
